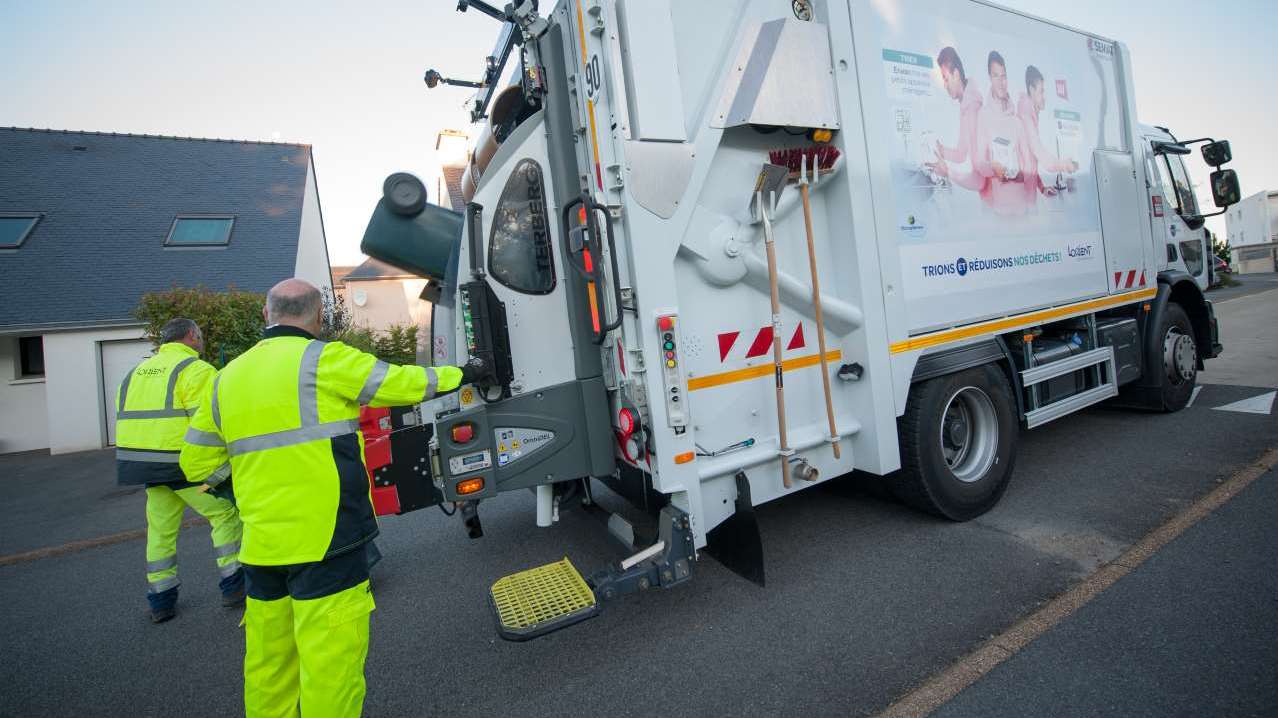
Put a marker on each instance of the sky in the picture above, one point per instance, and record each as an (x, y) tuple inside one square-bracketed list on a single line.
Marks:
[(347, 79)]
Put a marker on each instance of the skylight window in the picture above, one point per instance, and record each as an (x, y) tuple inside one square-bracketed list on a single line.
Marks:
[(200, 231), (15, 227)]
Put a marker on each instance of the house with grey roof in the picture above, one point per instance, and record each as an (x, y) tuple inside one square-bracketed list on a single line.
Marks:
[(91, 221), (379, 295)]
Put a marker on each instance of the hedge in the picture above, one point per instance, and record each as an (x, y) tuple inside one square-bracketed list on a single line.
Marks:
[(232, 323)]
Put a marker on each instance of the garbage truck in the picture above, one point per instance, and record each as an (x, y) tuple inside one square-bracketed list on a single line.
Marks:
[(717, 253)]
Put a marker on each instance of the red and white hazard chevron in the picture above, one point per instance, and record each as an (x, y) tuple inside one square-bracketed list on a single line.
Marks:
[(1130, 277), (759, 346)]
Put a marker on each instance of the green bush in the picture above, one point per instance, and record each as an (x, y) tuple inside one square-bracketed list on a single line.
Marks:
[(232, 323), (397, 345), (231, 320)]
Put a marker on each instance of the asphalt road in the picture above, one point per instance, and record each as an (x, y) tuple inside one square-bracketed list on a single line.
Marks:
[(1189, 632), (865, 599)]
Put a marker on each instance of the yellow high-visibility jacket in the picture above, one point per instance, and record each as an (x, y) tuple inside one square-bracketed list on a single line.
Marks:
[(283, 420), (154, 404)]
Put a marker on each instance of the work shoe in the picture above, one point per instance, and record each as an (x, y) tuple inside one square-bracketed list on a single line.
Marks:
[(160, 615), (235, 599)]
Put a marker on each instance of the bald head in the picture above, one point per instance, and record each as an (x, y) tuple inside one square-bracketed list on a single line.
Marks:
[(295, 302)]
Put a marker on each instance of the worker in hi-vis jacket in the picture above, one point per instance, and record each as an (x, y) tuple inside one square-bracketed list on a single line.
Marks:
[(282, 419), (153, 407)]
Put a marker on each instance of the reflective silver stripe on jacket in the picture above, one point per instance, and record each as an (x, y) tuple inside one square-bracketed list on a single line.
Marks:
[(373, 382), (432, 383), (308, 383), (158, 457), (226, 549), (229, 569), (161, 564), (203, 438), (220, 474), (168, 412), (280, 439), (213, 405)]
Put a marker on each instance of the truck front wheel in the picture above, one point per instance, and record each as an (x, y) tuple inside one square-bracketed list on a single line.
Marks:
[(1179, 359), (958, 443)]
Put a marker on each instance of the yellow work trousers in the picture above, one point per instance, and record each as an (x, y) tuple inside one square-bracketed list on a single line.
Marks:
[(164, 507), (306, 656)]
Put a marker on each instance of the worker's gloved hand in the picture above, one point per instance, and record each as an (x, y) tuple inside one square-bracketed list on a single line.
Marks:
[(223, 490), (476, 370)]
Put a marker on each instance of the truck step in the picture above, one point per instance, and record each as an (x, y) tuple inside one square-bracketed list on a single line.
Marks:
[(536, 601)]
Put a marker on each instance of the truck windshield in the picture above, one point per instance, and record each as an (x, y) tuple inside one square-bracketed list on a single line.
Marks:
[(1186, 202)]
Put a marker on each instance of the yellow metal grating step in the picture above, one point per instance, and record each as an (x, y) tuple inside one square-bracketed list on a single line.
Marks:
[(539, 600)]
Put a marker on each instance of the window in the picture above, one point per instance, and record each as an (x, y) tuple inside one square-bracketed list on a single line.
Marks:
[(1187, 203), (30, 357), (1162, 184), (14, 228), (200, 231), (519, 248)]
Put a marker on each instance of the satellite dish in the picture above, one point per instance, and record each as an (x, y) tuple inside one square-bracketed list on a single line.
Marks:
[(360, 297)]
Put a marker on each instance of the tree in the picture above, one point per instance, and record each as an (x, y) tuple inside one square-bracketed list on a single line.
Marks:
[(231, 321), (1221, 248)]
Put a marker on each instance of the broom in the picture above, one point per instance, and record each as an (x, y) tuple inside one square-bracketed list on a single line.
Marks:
[(797, 160)]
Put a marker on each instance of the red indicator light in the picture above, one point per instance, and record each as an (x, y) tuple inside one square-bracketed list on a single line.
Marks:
[(665, 324), (463, 433), (626, 421)]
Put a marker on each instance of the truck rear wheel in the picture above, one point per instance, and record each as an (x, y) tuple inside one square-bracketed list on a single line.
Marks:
[(1179, 357), (958, 443)]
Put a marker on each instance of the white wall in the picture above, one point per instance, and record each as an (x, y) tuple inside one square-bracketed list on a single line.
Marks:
[(24, 419), (312, 246), (387, 302), (1247, 222), (73, 387)]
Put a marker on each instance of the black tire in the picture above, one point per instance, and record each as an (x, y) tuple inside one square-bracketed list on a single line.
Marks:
[(1179, 360), (927, 481)]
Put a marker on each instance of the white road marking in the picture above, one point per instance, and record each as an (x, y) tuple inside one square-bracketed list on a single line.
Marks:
[(1255, 405), (1193, 396)]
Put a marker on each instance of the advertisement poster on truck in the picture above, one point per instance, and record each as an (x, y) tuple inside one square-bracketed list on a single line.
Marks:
[(992, 129)]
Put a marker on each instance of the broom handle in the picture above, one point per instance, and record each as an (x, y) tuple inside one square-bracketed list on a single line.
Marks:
[(776, 347), (820, 322)]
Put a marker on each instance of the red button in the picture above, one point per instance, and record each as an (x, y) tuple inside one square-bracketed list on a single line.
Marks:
[(665, 324), (463, 433)]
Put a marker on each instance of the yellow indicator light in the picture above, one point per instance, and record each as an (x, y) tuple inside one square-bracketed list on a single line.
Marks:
[(822, 135), (467, 395), (470, 486), (683, 458)]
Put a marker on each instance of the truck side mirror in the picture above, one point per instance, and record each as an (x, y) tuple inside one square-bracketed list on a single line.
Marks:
[(1224, 186), (1217, 154)]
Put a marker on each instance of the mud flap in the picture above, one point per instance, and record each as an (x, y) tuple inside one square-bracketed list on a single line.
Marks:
[(736, 543)]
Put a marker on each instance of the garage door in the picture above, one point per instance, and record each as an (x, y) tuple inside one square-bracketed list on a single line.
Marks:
[(118, 358)]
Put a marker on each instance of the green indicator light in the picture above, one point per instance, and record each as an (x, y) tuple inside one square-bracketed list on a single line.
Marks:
[(669, 346)]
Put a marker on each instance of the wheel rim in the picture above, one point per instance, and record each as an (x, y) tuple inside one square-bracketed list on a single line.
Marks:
[(969, 434), (1179, 356)]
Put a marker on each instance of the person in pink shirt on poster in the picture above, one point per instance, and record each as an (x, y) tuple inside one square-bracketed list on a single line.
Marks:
[(1001, 152), (1028, 109), (969, 98)]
